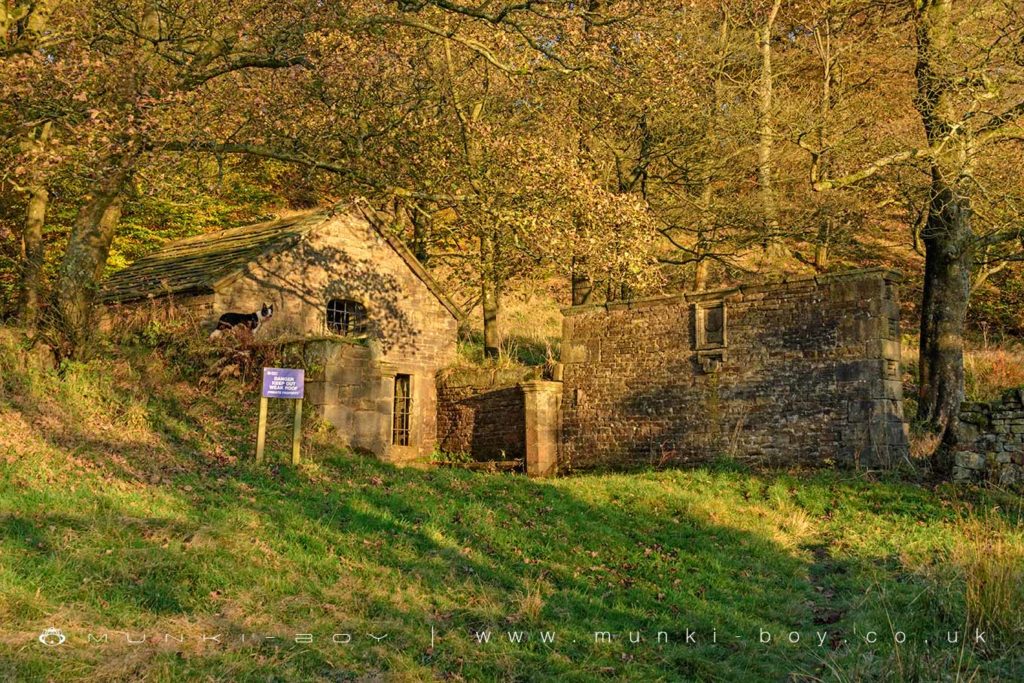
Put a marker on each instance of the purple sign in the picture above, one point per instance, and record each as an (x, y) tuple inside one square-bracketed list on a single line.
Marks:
[(283, 383)]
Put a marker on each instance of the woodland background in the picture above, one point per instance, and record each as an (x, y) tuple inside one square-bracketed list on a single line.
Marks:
[(604, 148), (533, 153)]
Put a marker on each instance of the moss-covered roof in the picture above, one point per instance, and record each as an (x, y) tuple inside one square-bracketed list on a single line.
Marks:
[(194, 265)]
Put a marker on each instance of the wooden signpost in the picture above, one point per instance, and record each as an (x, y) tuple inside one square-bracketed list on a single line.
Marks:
[(287, 383)]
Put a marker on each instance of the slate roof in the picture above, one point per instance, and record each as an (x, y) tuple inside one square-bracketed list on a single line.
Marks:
[(195, 265)]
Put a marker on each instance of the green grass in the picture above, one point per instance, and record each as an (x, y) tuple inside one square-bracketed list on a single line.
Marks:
[(128, 502)]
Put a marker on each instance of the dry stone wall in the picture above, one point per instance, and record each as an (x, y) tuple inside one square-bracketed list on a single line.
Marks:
[(804, 371), (990, 441)]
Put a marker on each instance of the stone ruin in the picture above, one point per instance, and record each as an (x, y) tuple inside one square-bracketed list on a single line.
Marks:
[(804, 371), (990, 441)]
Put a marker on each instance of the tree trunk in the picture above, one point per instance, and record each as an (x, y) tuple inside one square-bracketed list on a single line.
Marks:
[(582, 285), (86, 258), (706, 230), (947, 287), (820, 164), (821, 244), (700, 275), (706, 223), (30, 285), (492, 305), (490, 297), (774, 249), (33, 254), (947, 233), (420, 235)]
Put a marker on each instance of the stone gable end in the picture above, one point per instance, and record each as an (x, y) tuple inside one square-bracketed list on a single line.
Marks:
[(346, 258)]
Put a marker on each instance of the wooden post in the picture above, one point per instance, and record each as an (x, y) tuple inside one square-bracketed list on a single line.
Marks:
[(297, 431), (261, 430)]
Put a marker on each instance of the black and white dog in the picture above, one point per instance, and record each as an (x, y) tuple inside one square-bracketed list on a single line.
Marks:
[(252, 321)]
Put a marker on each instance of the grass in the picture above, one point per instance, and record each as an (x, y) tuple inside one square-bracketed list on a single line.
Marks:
[(513, 353), (988, 369), (129, 504)]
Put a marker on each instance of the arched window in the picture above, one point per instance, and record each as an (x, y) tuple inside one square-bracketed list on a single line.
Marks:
[(346, 317)]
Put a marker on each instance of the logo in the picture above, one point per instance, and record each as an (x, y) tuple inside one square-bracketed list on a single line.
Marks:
[(52, 637)]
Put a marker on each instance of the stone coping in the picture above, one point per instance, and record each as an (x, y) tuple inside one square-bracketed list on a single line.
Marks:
[(1008, 397), (783, 284), (487, 378)]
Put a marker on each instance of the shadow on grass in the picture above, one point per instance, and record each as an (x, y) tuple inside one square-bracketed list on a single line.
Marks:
[(355, 545), (363, 537)]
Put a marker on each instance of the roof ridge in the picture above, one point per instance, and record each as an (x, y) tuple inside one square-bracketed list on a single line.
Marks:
[(204, 262)]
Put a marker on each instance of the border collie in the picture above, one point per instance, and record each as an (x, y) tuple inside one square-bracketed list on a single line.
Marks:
[(252, 321)]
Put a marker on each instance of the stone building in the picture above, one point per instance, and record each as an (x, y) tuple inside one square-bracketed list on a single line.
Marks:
[(805, 371), (374, 326), (990, 441), (801, 371)]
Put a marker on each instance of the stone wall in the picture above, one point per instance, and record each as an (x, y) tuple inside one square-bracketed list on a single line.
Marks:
[(350, 390), (804, 371), (990, 444), (482, 414), (410, 332)]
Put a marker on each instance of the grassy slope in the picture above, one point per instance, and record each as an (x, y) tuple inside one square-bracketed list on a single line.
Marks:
[(128, 503)]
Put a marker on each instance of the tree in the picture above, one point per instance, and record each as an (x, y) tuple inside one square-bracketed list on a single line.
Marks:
[(30, 285), (108, 77), (696, 175), (451, 114), (969, 99), (24, 29), (24, 26), (766, 133)]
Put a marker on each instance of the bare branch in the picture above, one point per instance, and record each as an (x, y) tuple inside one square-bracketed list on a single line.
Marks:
[(240, 63), (872, 169), (301, 159)]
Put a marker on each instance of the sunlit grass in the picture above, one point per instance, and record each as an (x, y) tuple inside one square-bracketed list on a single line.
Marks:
[(129, 503)]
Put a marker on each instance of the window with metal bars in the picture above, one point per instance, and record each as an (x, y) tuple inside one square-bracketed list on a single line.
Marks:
[(346, 317), (402, 410)]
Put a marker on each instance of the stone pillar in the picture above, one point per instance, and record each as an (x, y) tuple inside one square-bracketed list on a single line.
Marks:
[(543, 426)]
